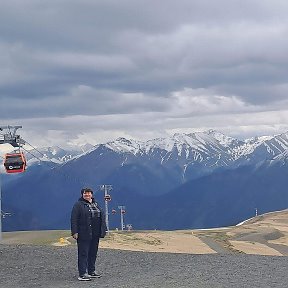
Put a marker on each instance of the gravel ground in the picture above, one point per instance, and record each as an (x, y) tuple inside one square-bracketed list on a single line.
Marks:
[(48, 266)]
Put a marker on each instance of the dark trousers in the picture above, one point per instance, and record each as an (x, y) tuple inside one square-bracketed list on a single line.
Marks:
[(87, 254)]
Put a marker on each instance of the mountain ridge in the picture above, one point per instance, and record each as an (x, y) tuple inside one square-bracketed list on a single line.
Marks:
[(144, 174)]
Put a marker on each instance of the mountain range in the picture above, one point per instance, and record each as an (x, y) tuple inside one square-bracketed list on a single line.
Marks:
[(196, 180)]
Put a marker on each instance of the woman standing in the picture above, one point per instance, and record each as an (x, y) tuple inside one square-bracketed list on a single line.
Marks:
[(87, 227)]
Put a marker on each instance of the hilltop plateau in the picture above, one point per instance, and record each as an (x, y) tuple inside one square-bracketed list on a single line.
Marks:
[(265, 234)]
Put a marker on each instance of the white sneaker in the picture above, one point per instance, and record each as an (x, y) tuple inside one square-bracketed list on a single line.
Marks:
[(84, 277)]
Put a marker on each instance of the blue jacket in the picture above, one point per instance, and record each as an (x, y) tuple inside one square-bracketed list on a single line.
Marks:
[(81, 220)]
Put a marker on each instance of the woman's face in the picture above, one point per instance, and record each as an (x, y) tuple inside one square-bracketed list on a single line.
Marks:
[(87, 195)]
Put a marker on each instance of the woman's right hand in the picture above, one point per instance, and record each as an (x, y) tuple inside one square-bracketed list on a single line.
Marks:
[(75, 236)]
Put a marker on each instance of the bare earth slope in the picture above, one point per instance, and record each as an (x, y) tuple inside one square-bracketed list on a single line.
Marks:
[(49, 258), (266, 234)]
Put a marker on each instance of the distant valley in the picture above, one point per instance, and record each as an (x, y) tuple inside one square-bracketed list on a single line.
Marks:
[(186, 181)]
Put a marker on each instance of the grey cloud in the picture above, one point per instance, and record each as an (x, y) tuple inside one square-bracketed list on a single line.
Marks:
[(77, 58), (82, 100)]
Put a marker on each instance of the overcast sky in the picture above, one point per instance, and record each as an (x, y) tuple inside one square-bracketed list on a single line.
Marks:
[(94, 70)]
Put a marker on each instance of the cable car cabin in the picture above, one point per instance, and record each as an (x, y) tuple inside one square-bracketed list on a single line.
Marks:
[(15, 162)]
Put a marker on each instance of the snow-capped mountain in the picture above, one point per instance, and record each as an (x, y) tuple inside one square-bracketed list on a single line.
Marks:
[(190, 155), (206, 151), (184, 172), (203, 142), (210, 143)]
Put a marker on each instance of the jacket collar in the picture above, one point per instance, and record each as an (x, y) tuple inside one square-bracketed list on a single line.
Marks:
[(85, 201)]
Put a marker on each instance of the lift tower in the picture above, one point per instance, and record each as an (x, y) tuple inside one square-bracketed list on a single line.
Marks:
[(107, 198), (122, 212), (8, 136)]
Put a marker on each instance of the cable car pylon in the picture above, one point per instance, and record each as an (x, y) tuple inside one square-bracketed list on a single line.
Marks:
[(122, 212), (107, 198), (15, 162)]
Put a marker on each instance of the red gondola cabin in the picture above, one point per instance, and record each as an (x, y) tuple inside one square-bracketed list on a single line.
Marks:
[(15, 162)]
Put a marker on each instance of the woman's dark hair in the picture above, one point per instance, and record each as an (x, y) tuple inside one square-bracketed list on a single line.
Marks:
[(86, 190)]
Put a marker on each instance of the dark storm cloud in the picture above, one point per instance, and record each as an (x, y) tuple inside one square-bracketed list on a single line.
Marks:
[(156, 60)]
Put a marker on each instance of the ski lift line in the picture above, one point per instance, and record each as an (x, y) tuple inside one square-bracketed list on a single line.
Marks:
[(54, 167), (83, 183), (36, 149), (48, 160), (12, 134), (27, 151)]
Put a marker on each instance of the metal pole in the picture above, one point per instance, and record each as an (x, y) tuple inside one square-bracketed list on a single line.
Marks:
[(0, 210), (106, 189), (14, 140), (122, 209), (122, 220), (106, 208)]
